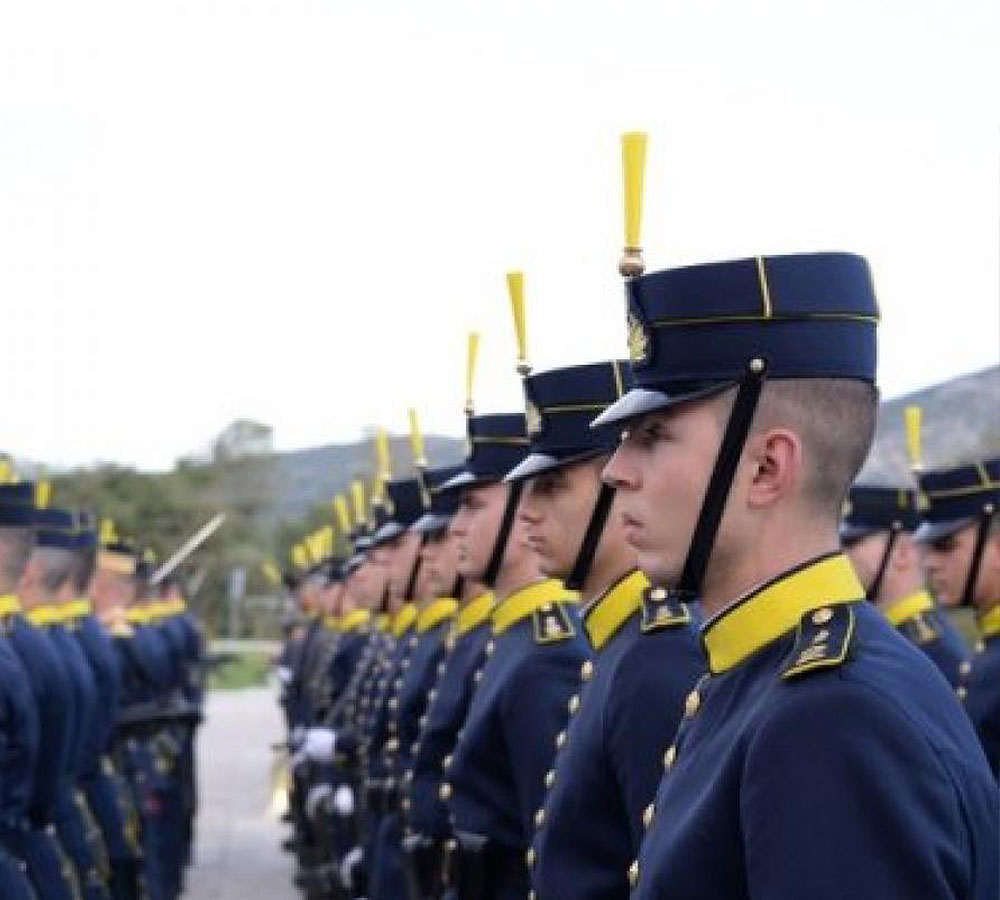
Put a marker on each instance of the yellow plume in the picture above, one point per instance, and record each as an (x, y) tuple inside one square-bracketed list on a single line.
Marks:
[(326, 540), (358, 498), (472, 355), (43, 493), (382, 457), (6, 471), (343, 514), (515, 287), (299, 556), (417, 441), (108, 532), (270, 572), (913, 417), (633, 170)]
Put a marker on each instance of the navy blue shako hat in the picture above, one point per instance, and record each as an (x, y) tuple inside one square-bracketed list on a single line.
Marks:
[(405, 503), (957, 497), (56, 528), (444, 504), (17, 505), (871, 509), (496, 443), (559, 407)]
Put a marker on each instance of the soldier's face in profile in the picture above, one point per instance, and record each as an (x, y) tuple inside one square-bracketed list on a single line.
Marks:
[(661, 470), (440, 560), (948, 561), (555, 508), (403, 556), (476, 525)]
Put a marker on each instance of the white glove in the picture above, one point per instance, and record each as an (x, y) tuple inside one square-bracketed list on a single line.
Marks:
[(314, 799), (319, 744), (355, 856), (343, 801)]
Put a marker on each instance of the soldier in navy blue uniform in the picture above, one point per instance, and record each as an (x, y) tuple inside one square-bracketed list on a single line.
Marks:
[(105, 792), (961, 536), (19, 723), (877, 534), (518, 715), (822, 756), (647, 653), (50, 567), (408, 701)]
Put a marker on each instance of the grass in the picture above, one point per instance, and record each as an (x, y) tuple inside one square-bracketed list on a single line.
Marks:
[(235, 672)]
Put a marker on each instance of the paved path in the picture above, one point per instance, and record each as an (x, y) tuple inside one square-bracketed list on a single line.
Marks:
[(238, 856)]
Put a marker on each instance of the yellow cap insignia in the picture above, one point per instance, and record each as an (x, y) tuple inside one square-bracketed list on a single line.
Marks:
[(533, 418), (638, 340)]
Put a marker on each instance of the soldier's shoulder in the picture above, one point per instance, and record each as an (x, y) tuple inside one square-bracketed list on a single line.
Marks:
[(823, 642), (554, 622)]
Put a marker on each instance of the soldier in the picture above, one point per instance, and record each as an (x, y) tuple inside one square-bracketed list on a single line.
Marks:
[(49, 569), (495, 777), (877, 534), (961, 537), (107, 795), (822, 755), (19, 725), (647, 654), (428, 579), (49, 868)]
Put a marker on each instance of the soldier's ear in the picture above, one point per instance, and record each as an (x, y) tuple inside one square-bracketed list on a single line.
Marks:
[(776, 467)]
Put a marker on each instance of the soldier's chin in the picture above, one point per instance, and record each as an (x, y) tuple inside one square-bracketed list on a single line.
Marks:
[(471, 569), (659, 570)]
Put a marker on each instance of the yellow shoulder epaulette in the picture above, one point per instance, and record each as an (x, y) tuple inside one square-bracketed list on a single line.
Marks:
[(823, 641)]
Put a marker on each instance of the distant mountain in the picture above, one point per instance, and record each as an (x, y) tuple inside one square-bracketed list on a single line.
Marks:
[(303, 478), (961, 423)]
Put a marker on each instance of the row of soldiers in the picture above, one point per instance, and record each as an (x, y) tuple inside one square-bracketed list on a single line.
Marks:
[(650, 640), (100, 695)]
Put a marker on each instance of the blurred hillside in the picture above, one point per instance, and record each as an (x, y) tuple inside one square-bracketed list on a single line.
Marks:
[(272, 499)]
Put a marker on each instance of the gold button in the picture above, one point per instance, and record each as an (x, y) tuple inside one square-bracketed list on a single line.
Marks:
[(532, 895), (962, 692), (692, 703), (529, 857), (560, 740), (965, 667), (445, 792), (980, 646), (406, 804), (822, 616), (658, 593), (432, 694), (587, 670), (550, 778), (647, 815), (539, 818), (633, 873), (574, 704), (669, 756), (446, 762), (490, 647), (478, 676)]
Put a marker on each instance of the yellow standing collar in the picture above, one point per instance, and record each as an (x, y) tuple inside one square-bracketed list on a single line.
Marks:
[(608, 613), (473, 614), (909, 606), (404, 620), (435, 613), (355, 619), (45, 615), (527, 600), (77, 609), (9, 604), (764, 615), (989, 624)]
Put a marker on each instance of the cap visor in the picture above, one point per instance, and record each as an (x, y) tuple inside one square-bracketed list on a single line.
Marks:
[(387, 532), (934, 531), (639, 402), (430, 522), (539, 463), (467, 479)]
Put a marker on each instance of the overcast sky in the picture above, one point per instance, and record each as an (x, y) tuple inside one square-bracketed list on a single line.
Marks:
[(294, 211)]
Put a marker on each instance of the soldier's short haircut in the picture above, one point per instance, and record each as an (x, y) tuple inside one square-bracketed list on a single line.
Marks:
[(15, 548), (835, 418), (57, 567), (84, 564)]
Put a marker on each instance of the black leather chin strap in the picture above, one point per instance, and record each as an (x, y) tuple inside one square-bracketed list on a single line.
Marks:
[(503, 535), (982, 532), (872, 593), (592, 536), (730, 449), (411, 582)]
